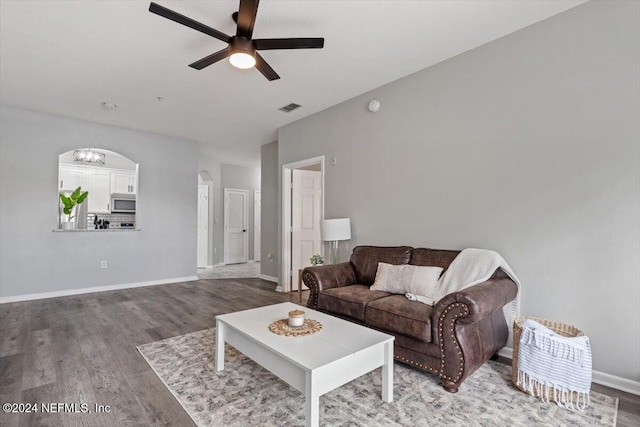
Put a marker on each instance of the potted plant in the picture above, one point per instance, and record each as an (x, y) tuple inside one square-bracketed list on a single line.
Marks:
[(70, 206), (317, 259)]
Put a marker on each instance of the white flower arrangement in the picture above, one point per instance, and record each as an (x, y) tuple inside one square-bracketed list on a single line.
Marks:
[(317, 259)]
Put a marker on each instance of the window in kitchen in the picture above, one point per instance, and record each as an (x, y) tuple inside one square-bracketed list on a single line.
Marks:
[(107, 198)]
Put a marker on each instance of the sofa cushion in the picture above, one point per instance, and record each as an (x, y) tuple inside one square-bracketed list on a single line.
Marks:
[(348, 300), (400, 279), (397, 314), (365, 260), (433, 257)]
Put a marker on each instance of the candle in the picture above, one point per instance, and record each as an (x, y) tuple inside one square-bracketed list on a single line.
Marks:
[(296, 318)]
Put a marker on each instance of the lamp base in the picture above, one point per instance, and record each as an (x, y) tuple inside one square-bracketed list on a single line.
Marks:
[(334, 255)]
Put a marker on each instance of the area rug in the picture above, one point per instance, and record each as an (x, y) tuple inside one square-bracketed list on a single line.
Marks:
[(246, 394)]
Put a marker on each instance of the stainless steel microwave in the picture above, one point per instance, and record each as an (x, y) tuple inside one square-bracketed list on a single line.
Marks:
[(123, 203)]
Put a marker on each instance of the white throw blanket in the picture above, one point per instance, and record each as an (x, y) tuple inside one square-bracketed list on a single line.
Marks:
[(470, 267), (550, 363)]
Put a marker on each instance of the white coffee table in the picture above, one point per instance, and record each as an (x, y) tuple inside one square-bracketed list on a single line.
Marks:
[(314, 364)]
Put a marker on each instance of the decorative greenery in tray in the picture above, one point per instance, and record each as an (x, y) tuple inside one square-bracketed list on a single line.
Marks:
[(317, 259)]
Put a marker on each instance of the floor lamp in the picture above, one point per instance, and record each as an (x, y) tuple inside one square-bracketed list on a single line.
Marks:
[(335, 230)]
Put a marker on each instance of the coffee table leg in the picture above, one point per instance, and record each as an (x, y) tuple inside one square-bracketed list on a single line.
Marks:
[(387, 373), (311, 402), (219, 345)]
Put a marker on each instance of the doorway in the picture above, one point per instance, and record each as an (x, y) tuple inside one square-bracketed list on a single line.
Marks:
[(236, 237), (302, 211), (257, 228), (203, 226)]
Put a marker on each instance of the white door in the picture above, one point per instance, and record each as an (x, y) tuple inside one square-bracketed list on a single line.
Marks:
[(257, 207), (203, 226), (236, 236), (305, 219)]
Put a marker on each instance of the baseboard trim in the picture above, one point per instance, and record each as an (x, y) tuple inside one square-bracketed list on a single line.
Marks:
[(602, 378), (220, 264), (269, 278), (68, 292), (506, 352), (619, 383)]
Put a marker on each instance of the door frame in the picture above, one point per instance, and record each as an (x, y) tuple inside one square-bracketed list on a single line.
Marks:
[(285, 256), (257, 252), (203, 187), (226, 224)]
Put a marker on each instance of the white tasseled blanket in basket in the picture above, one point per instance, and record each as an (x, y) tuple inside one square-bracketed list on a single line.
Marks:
[(553, 366)]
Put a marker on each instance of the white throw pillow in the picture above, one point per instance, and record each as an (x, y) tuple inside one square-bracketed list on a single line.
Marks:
[(402, 279)]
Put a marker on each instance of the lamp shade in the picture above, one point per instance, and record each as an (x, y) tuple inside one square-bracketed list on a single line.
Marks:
[(335, 229)]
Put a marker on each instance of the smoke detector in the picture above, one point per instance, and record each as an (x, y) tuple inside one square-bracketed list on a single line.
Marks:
[(374, 106)]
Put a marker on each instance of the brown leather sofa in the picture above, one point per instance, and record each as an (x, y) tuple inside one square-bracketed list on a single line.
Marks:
[(452, 339)]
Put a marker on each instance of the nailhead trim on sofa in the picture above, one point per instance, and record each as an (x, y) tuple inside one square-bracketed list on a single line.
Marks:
[(311, 283), (441, 326), (419, 365)]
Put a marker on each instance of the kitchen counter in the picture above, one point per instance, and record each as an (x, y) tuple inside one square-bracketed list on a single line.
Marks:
[(55, 230)]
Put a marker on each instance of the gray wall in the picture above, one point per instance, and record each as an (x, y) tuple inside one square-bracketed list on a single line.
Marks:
[(34, 259), (242, 178), (529, 146), (269, 215)]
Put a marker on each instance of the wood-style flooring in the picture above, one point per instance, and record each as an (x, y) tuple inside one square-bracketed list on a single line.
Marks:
[(82, 349)]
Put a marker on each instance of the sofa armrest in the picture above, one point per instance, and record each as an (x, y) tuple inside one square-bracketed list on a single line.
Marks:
[(482, 299), (329, 276), (469, 327)]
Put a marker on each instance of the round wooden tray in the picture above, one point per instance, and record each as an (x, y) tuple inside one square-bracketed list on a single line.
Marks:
[(281, 327)]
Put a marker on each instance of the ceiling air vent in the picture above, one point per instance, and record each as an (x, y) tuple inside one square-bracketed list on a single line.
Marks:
[(289, 108)]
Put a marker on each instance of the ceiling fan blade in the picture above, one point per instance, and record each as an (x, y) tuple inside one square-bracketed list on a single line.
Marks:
[(181, 19), (211, 59), (298, 43), (247, 17), (265, 68)]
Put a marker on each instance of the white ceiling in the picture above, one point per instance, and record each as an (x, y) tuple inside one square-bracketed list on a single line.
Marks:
[(66, 57)]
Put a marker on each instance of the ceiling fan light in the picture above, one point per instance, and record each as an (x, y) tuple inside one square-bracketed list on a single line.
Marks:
[(242, 60)]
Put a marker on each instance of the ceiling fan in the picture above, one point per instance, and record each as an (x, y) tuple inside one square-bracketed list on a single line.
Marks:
[(241, 49)]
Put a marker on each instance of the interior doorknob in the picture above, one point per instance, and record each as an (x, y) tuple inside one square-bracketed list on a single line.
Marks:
[(244, 231)]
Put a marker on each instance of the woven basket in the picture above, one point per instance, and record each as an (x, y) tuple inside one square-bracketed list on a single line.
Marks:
[(557, 327)]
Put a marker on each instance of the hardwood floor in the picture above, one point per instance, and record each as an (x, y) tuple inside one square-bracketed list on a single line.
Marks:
[(82, 349)]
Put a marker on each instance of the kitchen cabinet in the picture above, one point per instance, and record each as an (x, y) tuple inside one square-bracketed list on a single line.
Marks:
[(123, 182), (99, 194), (71, 178), (94, 180)]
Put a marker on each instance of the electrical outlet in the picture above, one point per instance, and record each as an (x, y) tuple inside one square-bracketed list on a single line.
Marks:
[(215, 250), (334, 161), (103, 263)]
